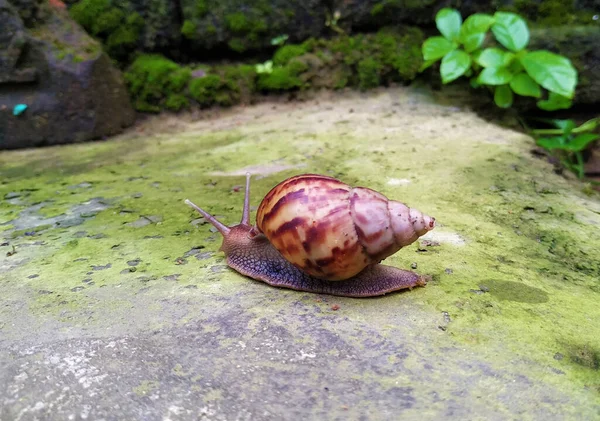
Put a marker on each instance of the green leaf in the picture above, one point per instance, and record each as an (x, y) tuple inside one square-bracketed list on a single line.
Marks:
[(474, 84), (580, 142), (494, 76), (508, 58), (524, 85), (553, 72), (477, 23), (448, 22), (503, 96), (472, 42), (454, 64), (550, 143), (491, 57), (510, 30), (435, 48), (426, 64), (588, 126), (515, 66), (565, 125), (555, 102)]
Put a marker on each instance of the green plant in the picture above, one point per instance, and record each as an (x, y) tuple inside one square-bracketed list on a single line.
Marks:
[(279, 40), (331, 21), (514, 70), (567, 142), (266, 67)]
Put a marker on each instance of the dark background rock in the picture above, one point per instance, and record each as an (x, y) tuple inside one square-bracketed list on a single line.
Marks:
[(71, 88), (242, 25)]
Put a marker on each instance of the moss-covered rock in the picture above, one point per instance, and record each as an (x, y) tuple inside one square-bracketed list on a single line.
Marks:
[(127, 26), (115, 288), (241, 25), (70, 88), (363, 61), (284, 54)]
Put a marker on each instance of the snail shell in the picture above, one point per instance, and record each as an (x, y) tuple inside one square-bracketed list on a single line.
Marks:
[(333, 231)]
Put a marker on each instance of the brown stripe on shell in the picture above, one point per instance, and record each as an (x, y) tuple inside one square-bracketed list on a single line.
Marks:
[(298, 195)]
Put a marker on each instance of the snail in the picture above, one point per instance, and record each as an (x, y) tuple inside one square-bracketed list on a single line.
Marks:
[(315, 233)]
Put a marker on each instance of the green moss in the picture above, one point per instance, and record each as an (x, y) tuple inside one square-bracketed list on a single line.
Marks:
[(284, 54), (402, 51), (108, 21), (551, 12), (368, 73), (377, 9), (280, 79), (204, 89), (152, 78), (237, 44), (86, 12), (177, 102), (211, 29), (201, 8), (237, 22), (124, 39), (240, 81), (189, 29)]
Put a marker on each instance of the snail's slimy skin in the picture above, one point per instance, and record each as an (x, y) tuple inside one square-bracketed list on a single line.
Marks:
[(252, 253)]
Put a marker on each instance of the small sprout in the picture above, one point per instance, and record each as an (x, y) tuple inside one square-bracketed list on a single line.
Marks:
[(266, 67), (279, 40)]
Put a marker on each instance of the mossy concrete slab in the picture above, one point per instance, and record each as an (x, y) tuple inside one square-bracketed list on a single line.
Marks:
[(117, 304)]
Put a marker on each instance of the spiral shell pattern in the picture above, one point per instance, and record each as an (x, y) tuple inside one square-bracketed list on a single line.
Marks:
[(333, 231)]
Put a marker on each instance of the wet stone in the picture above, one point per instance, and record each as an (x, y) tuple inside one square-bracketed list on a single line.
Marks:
[(102, 267), (204, 255), (12, 195), (84, 185), (35, 275), (145, 220), (70, 222), (194, 251), (77, 289), (173, 277), (134, 262)]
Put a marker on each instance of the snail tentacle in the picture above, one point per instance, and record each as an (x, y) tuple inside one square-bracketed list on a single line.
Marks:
[(223, 229), (246, 210)]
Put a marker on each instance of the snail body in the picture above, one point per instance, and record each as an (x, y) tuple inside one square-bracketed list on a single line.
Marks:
[(315, 233)]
